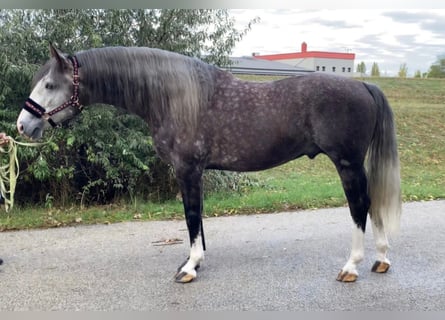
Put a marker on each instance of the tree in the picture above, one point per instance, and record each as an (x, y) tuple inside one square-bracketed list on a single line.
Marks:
[(403, 70), (199, 33), (94, 160), (361, 68), (437, 69), (375, 71), (418, 74)]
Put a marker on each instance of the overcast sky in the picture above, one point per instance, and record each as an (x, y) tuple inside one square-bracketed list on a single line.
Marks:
[(388, 37)]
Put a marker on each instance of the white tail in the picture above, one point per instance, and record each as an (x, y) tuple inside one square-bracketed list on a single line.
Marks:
[(383, 167)]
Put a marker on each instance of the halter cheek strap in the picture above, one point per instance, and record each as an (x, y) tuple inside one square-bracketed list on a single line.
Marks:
[(40, 112)]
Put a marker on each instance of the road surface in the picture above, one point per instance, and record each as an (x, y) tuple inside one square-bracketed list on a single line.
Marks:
[(281, 261)]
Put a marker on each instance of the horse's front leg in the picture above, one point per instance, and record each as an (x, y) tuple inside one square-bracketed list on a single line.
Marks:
[(190, 183)]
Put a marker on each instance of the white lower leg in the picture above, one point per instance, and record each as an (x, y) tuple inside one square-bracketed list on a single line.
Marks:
[(381, 242), (196, 256), (357, 252)]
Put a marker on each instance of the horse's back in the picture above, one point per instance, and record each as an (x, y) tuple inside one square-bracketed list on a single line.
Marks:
[(252, 126)]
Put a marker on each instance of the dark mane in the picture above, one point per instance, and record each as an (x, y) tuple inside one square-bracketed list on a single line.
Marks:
[(135, 78)]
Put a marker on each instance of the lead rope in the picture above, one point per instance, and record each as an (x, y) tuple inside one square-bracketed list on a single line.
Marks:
[(202, 236), (9, 172)]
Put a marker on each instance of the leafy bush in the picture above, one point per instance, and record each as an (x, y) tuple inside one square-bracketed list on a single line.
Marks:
[(104, 155)]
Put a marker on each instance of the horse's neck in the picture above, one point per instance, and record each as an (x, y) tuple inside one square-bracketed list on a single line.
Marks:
[(113, 87), (145, 91)]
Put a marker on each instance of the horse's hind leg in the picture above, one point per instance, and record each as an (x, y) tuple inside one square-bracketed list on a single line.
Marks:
[(382, 263), (354, 182), (190, 183)]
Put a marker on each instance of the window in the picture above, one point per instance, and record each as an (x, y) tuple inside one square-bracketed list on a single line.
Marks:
[(333, 69), (343, 69), (318, 68), (323, 68), (349, 69)]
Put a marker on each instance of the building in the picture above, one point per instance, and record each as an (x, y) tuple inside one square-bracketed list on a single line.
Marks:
[(250, 65), (340, 63)]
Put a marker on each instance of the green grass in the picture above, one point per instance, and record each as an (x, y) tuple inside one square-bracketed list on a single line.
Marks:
[(419, 109)]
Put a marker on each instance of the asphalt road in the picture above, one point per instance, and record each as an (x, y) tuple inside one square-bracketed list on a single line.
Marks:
[(283, 261)]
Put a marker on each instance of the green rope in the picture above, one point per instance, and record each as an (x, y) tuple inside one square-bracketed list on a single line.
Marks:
[(9, 172)]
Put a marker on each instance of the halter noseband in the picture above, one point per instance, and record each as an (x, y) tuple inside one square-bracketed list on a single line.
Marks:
[(40, 112)]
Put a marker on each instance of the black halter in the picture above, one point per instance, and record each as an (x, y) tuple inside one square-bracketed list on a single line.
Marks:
[(40, 112)]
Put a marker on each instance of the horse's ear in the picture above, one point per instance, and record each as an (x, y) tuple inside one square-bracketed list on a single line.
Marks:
[(62, 61)]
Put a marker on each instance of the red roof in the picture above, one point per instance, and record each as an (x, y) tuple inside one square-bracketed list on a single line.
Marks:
[(307, 54)]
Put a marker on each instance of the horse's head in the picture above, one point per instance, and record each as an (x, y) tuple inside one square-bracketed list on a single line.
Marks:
[(54, 97)]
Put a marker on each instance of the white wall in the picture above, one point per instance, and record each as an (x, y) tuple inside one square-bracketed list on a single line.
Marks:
[(342, 67)]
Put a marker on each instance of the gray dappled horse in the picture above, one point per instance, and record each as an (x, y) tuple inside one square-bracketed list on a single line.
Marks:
[(202, 117)]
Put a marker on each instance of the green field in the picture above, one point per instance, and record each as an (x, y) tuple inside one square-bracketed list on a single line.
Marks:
[(419, 108)]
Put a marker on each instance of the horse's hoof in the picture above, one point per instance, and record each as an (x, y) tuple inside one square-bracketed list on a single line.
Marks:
[(184, 277), (180, 267), (380, 267), (345, 276)]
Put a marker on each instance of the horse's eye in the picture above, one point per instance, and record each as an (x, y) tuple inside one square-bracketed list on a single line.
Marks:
[(49, 86)]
